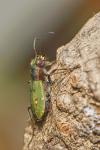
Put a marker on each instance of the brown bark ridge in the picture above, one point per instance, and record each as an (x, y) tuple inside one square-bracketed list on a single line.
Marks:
[(73, 122)]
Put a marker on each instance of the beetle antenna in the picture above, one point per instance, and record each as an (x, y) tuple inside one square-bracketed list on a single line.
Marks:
[(34, 46), (35, 40)]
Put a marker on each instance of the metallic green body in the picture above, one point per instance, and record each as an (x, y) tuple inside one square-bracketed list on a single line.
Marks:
[(39, 88), (38, 98)]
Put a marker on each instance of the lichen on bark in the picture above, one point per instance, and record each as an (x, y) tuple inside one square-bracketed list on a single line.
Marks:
[(74, 120)]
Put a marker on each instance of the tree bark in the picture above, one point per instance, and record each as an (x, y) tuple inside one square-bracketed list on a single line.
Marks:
[(73, 123)]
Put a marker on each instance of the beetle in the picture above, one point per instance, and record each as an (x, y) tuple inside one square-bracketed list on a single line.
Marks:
[(39, 87)]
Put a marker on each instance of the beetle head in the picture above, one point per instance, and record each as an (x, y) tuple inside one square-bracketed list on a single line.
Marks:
[(40, 61)]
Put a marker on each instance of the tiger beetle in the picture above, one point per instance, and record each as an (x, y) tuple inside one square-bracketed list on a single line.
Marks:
[(39, 87)]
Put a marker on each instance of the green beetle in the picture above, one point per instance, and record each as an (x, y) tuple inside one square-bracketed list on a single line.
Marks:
[(39, 87)]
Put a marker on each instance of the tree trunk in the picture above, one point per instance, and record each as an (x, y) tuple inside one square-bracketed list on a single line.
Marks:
[(73, 123)]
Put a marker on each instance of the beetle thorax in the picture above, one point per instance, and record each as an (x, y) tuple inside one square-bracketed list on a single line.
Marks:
[(39, 73)]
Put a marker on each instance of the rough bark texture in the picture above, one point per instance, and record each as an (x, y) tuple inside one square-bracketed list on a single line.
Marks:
[(74, 120)]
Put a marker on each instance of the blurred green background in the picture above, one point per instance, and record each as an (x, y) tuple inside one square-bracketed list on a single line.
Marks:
[(19, 22)]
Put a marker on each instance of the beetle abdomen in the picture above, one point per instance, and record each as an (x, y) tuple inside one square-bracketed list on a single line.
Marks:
[(38, 98)]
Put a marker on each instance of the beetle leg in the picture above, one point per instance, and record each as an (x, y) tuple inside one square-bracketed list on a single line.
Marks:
[(48, 107), (49, 79), (48, 63), (29, 108), (62, 69), (66, 69)]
